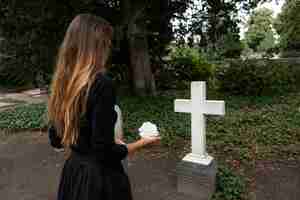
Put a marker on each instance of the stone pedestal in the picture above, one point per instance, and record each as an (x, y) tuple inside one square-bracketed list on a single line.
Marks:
[(196, 180)]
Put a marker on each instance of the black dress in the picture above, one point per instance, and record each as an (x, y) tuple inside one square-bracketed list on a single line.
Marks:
[(94, 170)]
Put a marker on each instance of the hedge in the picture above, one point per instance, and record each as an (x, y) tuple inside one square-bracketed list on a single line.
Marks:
[(257, 77)]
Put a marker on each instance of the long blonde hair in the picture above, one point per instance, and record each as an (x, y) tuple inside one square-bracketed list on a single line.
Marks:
[(82, 54)]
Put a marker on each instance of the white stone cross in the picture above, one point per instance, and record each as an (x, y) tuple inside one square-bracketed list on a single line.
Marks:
[(198, 106)]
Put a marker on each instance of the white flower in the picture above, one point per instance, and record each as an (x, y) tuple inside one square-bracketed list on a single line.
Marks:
[(148, 129)]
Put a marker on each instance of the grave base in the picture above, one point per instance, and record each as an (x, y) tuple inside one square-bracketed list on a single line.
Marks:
[(196, 180)]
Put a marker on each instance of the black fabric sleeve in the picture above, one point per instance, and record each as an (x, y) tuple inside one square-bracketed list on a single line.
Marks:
[(55, 140), (103, 118)]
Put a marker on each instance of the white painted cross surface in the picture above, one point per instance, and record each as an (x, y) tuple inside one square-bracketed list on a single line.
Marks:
[(198, 106)]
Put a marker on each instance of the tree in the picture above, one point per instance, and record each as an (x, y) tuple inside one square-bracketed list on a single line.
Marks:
[(230, 46), (287, 26), (34, 29), (216, 22), (148, 31), (260, 36)]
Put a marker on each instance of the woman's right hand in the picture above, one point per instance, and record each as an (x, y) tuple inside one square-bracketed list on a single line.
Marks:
[(133, 147), (150, 140)]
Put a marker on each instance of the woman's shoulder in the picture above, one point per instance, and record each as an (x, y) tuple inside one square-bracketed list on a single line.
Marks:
[(103, 85)]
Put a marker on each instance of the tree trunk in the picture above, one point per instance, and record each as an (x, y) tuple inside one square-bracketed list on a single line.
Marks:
[(143, 80), (140, 66)]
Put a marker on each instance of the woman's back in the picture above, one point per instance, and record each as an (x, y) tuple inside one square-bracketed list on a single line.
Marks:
[(95, 163)]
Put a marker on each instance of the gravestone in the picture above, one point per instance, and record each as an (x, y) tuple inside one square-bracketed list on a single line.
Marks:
[(196, 173)]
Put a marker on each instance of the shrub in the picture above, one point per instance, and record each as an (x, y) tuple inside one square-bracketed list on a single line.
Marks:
[(190, 65), (229, 185), (185, 65), (257, 77), (24, 117)]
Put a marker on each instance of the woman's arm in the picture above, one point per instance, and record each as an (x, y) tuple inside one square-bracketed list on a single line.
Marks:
[(135, 146), (103, 118)]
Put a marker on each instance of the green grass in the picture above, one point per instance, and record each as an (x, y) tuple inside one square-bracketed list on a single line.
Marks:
[(253, 129), (229, 186), (30, 116), (261, 128)]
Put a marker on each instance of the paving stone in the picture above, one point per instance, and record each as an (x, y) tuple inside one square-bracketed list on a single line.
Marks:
[(3, 104), (277, 180)]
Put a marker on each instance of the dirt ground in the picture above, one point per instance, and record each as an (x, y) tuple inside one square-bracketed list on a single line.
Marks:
[(30, 170)]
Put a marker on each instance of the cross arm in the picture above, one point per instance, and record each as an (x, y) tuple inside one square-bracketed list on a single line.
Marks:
[(209, 107), (182, 105), (214, 108)]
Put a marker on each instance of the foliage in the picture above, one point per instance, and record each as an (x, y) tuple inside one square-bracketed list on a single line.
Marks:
[(119, 73), (229, 46), (260, 36), (254, 128), (287, 25), (268, 46), (190, 64), (24, 117), (247, 51), (33, 30), (257, 77), (185, 65), (211, 21), (229, 185), (222, 28)]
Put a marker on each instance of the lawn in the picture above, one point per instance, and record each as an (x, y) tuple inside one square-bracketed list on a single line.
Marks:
[(254, 128)]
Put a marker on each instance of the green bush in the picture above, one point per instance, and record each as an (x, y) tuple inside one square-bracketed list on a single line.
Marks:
[(229, 185), (257, 77), (24, 117), (185, 65), (190, 65)]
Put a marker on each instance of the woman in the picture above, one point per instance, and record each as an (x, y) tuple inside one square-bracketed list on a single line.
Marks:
[(82, 117)]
